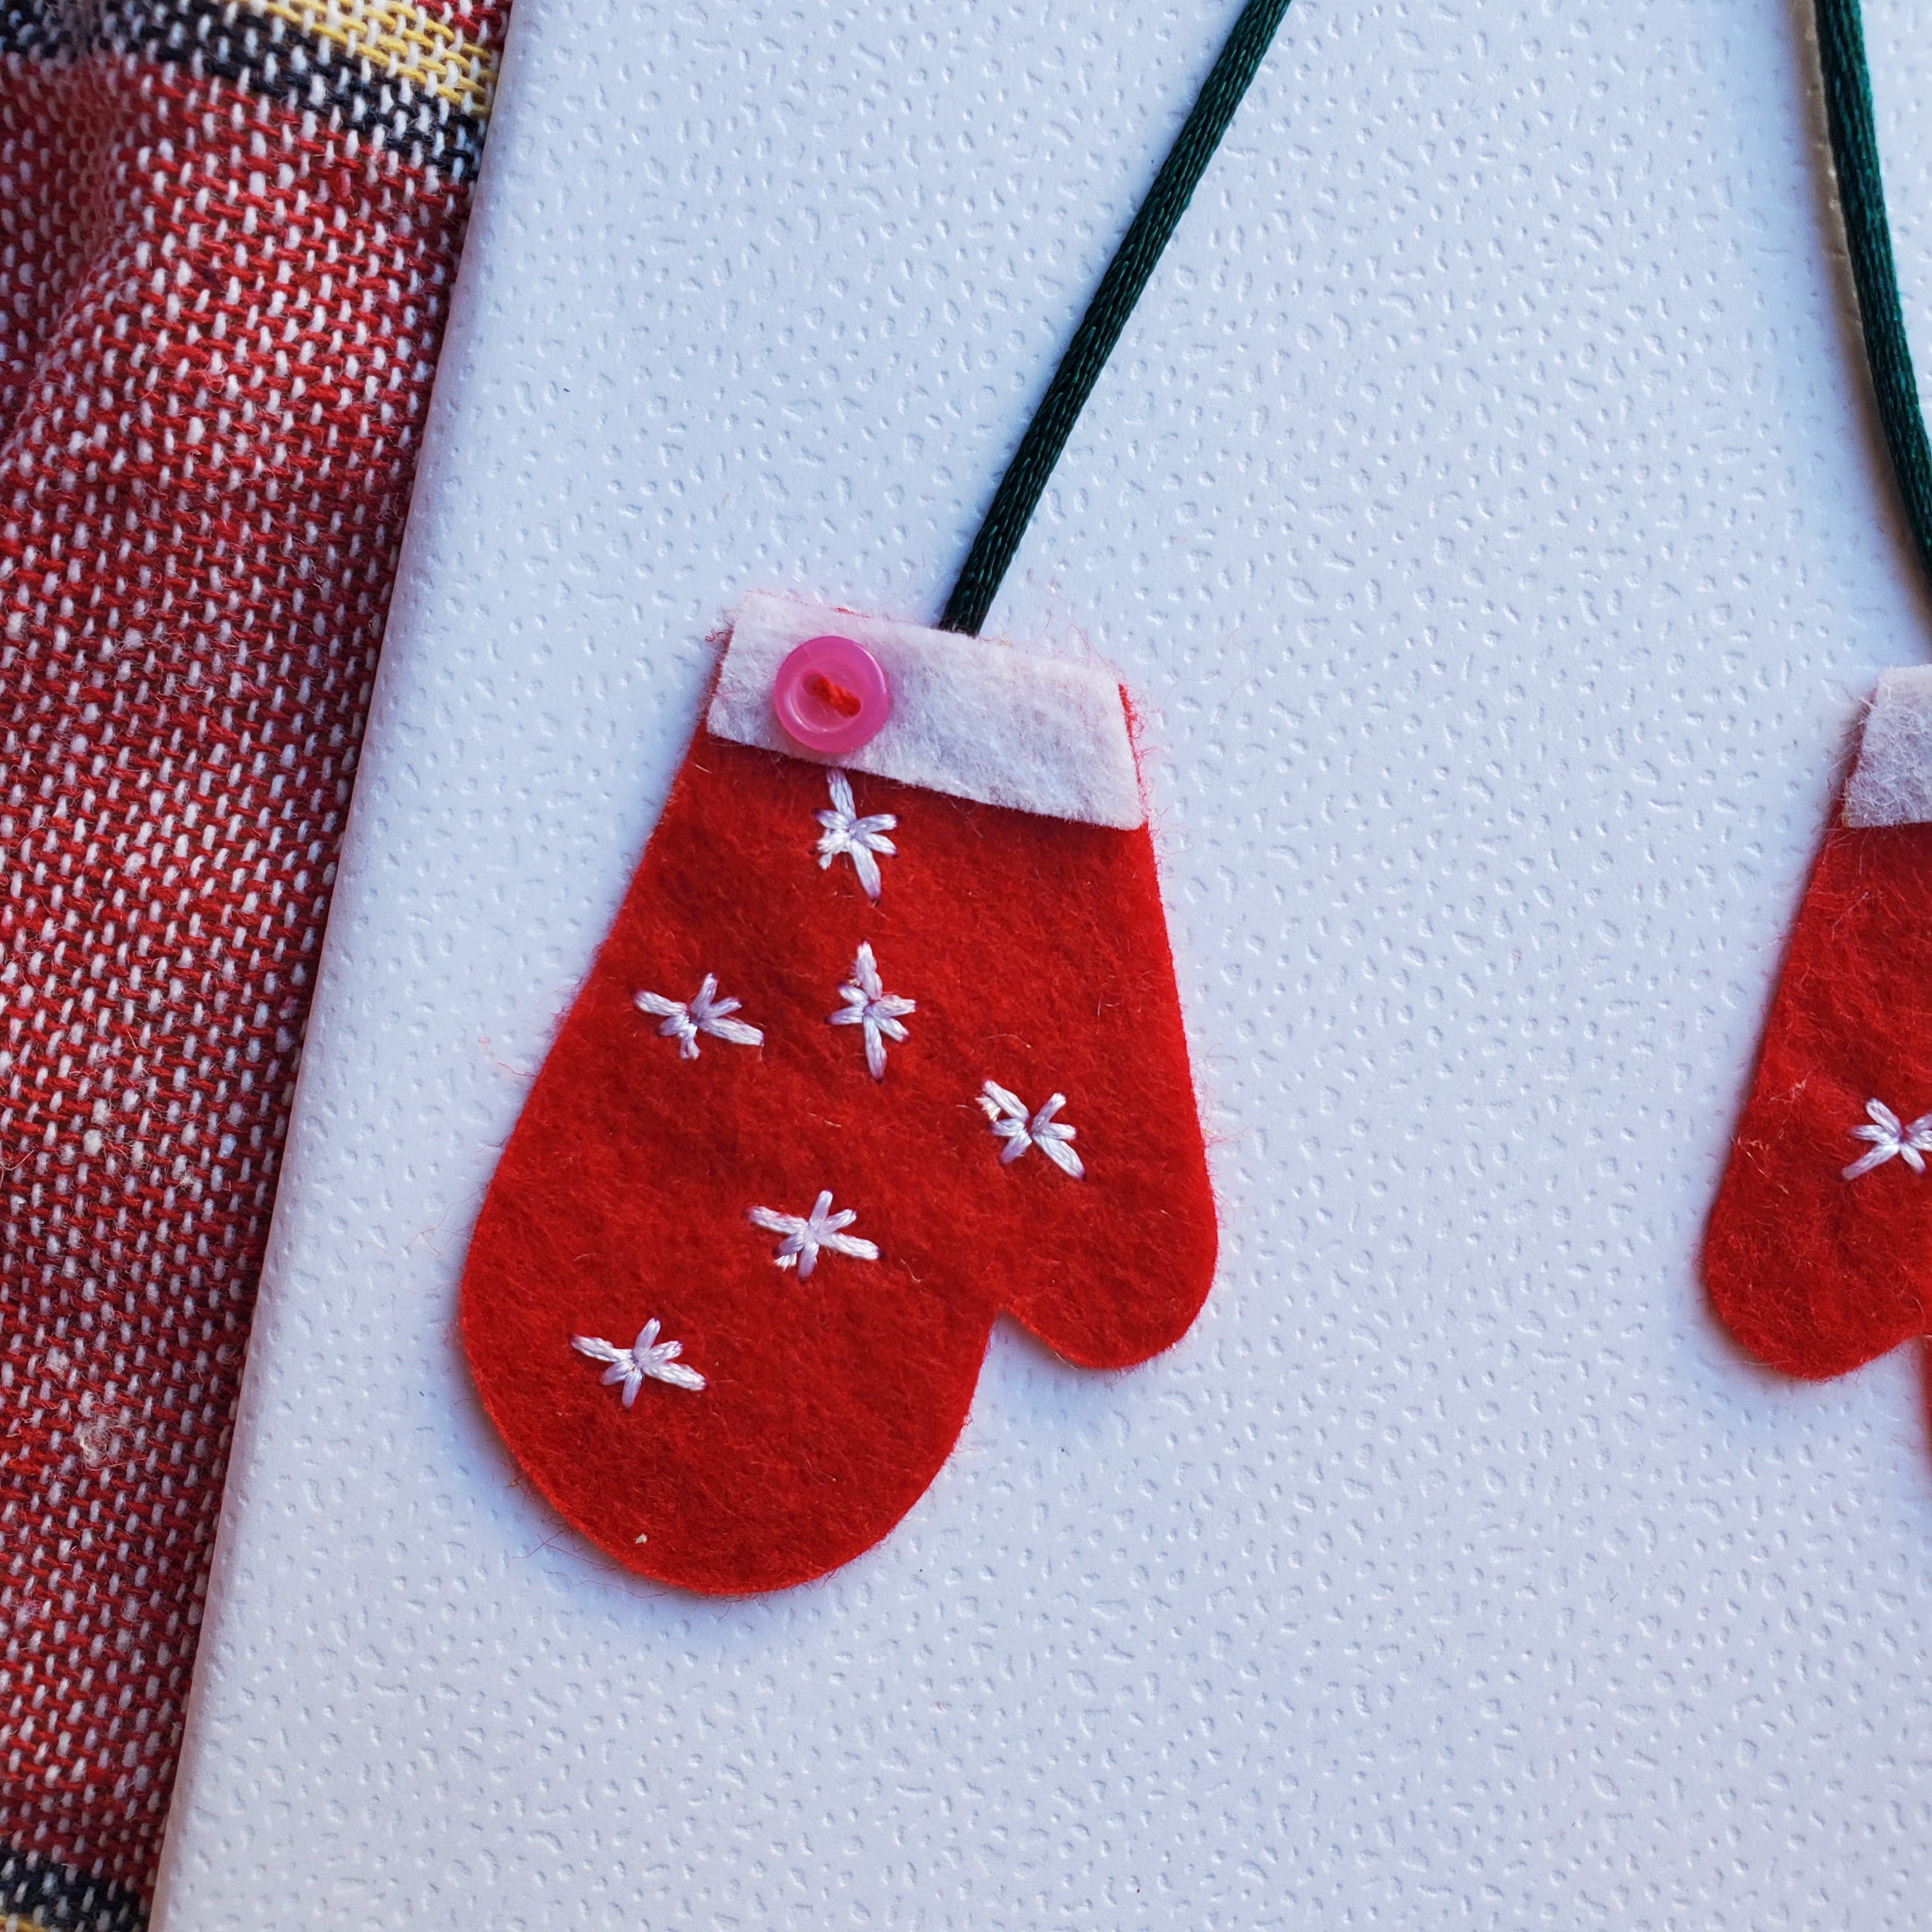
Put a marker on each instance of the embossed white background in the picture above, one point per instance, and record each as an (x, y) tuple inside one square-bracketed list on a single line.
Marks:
[(1486, 502)]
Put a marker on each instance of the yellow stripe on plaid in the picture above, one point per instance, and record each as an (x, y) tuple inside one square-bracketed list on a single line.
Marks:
[(403, 40)]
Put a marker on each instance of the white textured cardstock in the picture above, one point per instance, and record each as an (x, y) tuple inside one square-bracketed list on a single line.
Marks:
[(1485, 512)]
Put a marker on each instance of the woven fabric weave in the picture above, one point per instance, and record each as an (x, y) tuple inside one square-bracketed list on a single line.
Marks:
[(227, 234)]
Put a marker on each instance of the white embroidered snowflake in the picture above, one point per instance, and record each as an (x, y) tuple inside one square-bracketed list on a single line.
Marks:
[(1006, 1114), (859, 839), (645, 1356), (805, 1234), (868, 1005), (705, 1012), (1890, 1139)]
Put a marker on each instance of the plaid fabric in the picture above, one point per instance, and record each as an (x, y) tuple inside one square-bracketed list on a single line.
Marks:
[(227, 233)]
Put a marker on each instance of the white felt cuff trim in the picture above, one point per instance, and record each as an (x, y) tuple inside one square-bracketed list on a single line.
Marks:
[(979, 721), (1892, 783)]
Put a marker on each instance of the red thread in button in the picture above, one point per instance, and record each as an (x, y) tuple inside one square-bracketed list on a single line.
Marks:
[(835, 697)]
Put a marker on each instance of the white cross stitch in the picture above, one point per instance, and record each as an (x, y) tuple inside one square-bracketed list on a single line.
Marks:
[(1909, 1143), (645, 1356), (858, 837), (805, 1235), (705, 1013), (1007, 1115), (868, 1005)]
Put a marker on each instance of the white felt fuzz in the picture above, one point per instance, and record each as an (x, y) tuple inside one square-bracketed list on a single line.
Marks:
[(978, 720), (1892, 783)]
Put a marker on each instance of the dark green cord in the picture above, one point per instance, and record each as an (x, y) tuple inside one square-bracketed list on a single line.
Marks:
[(1120, 286), (1848, 108)]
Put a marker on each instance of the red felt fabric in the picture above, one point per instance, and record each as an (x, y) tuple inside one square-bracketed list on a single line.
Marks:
[(1036, 951), (1814, 1273)]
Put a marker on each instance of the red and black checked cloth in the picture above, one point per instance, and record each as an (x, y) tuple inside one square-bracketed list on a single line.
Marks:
[(227, 235)]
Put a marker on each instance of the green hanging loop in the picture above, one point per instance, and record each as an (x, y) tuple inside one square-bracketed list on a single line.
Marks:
[(1848, 106), (1127, 275)]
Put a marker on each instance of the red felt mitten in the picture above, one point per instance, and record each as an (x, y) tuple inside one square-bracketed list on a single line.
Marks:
[(873, 1051), (1818, 1255)]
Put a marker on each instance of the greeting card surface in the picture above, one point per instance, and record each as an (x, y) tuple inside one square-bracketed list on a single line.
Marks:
[(1481, 517)]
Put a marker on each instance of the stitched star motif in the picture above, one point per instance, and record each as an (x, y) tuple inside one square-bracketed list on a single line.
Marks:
[(1890, 1140), (645, 1356), (805, 1234), (704, 1013), (869, 1006), (859, 839), (1006, 1116)]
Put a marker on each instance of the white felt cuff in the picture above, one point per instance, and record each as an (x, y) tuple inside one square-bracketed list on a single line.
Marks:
[(979, 721), (1892, 783)]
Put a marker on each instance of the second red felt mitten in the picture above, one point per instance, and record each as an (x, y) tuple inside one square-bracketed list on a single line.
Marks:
[(875, 1050), (1818, 1254)]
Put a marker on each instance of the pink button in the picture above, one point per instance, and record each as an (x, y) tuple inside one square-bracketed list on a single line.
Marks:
[(831, 696)]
